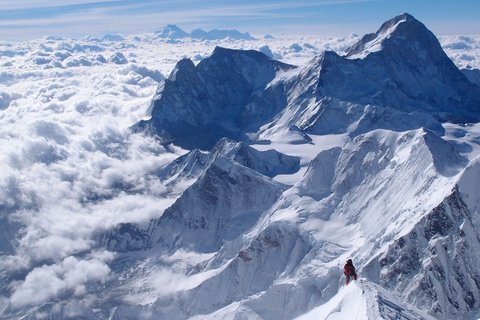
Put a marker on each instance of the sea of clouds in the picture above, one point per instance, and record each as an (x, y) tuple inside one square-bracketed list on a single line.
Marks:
[(71, 169)]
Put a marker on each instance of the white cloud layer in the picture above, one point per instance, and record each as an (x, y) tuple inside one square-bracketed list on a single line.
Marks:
[(47, 282)]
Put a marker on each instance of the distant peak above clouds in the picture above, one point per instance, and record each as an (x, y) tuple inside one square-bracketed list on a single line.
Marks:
[(401, 28), (172, 31)]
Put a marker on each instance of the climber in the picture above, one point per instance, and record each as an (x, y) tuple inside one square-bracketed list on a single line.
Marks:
[(350, 270)]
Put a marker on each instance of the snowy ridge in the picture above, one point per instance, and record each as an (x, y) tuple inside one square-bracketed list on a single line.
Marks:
[(309, 224), (373, 42), (218, 207), (195, 162), (364, 300)]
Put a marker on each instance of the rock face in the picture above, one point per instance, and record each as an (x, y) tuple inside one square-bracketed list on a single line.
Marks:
[(431, 265), (217, 208), (198, 105)]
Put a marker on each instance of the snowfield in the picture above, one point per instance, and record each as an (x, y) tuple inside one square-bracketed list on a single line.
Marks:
[(120, 198)]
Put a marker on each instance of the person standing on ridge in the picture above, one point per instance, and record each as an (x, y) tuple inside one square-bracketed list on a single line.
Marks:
[(350, 270)]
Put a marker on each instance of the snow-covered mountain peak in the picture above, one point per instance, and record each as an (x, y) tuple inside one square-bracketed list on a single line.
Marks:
[(403, 32), (403, 67), (373, 42), (220, 34), (171, 31), (403, 81)]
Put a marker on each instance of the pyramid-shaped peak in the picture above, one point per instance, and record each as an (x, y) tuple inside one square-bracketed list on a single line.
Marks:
[(403, 27), (171, 31)]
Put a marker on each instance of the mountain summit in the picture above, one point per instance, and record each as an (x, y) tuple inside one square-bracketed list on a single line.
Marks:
[(400, 73), (413, 62), (403, 28)]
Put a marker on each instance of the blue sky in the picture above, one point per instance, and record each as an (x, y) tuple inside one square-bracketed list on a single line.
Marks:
[(30, 19)]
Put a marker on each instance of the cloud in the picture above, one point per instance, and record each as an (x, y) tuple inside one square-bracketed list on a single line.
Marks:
[(6, 98), (71, 169), (50, 131), (68, 277)]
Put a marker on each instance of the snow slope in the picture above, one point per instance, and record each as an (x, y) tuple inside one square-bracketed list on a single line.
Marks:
[(363, 300)]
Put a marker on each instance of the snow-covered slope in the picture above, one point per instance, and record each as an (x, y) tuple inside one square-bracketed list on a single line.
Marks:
[(364, 300), (361, 200)]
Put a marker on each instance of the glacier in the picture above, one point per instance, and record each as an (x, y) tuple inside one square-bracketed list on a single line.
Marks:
[(248, 186)]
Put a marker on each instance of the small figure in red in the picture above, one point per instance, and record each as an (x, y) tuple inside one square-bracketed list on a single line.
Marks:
[(350, 270)]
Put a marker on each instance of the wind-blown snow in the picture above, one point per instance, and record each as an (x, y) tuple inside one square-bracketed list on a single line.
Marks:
[(72, 173)]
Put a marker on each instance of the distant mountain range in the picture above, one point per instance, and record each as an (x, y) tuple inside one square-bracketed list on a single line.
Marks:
[(173, 32)]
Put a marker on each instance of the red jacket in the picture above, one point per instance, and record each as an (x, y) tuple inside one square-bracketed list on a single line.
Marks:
[(349, 269)]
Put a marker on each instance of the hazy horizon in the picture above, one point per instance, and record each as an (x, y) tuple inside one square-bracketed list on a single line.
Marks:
[(28, 20)]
